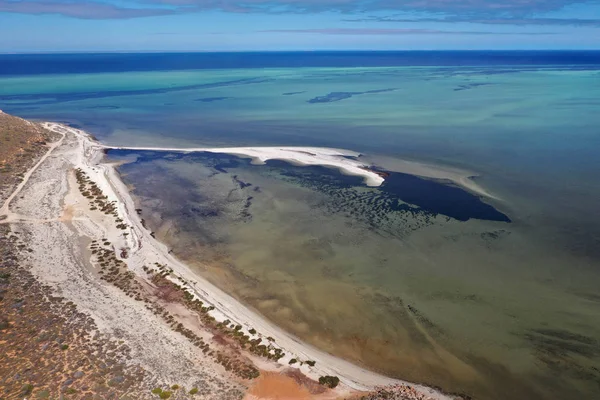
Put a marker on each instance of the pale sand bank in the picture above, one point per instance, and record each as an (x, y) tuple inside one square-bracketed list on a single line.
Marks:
[(458, 176), (322, 156), (49, 223), (357, 165)]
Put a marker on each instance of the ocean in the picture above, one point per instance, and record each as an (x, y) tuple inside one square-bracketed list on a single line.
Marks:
[(419, 279)]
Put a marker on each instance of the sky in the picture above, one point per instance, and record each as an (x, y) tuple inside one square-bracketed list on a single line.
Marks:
[(250, 25)]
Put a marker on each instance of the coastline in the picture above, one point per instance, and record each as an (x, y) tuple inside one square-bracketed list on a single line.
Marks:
[(515, 302), (142, 249), (65, 230)]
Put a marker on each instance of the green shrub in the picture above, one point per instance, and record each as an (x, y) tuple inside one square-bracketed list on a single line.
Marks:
[(175, 387), (329, 381), (293, 361), (26, 389), (194, 391), (311, 363), (64, 347), (165, 395), (157, 391)]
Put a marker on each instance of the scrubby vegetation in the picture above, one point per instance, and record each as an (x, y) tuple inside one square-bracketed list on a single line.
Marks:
[(329, 381), (22, 143), (398, 392), (49, 349), (37, 328), (114, 270), (98, 200)]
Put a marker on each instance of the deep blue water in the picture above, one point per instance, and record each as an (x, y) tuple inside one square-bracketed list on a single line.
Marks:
[(36, 64)]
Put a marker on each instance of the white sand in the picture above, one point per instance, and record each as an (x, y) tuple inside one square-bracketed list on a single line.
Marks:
[(327, 157), (336, 158), (57, 258)]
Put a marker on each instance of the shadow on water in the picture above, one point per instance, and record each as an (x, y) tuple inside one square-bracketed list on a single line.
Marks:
[(440, 198), (401, 192), (405, 192)]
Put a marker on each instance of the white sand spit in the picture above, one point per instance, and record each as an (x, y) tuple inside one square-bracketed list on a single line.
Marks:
[(347, 161)]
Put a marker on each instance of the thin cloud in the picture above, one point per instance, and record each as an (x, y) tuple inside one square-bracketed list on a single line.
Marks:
[(369, 31), (81, 10), (489, 21), (485, 10), (450, 7)]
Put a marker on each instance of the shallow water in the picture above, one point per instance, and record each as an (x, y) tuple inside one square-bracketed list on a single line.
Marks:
[(415, 279), (403, 290)]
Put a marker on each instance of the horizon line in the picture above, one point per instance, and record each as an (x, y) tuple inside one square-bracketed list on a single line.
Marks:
[(571, 50)]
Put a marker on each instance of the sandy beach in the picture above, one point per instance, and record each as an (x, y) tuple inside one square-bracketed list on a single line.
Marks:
[(48, 207)]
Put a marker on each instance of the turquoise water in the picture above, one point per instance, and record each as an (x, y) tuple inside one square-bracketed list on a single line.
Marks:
[(530, 132), (493, 309)]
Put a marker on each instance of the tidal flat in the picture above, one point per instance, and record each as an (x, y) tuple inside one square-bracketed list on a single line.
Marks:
[(444, 292)]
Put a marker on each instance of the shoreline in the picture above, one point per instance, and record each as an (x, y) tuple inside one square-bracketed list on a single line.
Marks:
[(65, 225), (143, 249)]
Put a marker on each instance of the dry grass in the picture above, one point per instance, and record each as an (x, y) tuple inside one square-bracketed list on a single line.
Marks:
[(21, 144)]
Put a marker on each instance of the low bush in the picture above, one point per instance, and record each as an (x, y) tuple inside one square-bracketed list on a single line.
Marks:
[(329, 381)]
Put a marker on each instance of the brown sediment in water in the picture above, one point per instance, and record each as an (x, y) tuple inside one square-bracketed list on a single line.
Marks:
[(278, 263), (419, 357), (401, 355)]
